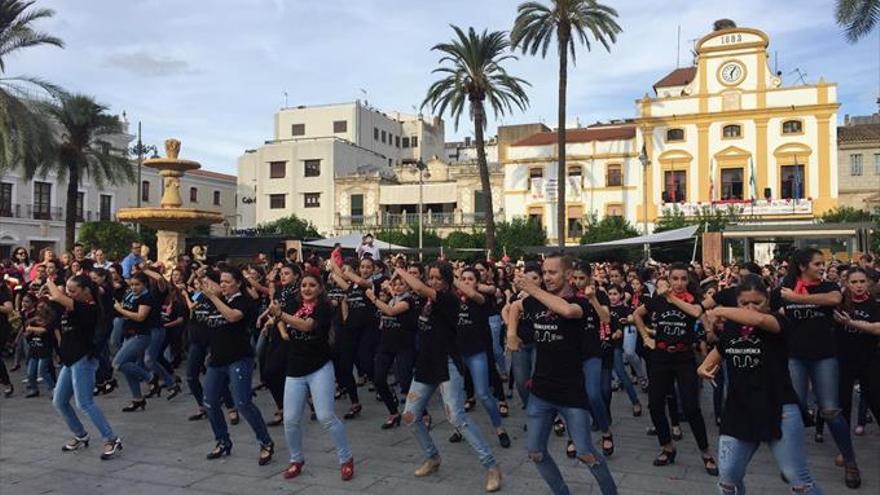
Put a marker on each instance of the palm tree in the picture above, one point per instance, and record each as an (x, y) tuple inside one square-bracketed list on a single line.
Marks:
[(82, 150), (473, 75), (571, 21), (857, 17), (24, 133)]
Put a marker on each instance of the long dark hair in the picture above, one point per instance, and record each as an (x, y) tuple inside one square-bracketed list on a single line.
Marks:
[(85, 282), (800, 258), (446, 272), (848, 303), (751, 282), (693, 285)]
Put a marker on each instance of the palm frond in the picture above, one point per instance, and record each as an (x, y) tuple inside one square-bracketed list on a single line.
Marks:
[(569, 22), (17, 31), (857, 17)]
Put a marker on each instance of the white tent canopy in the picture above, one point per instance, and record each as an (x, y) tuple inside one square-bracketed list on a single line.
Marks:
[(352, 241), (667, 236)]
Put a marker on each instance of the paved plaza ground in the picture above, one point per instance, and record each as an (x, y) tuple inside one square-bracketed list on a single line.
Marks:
[(165, 454)]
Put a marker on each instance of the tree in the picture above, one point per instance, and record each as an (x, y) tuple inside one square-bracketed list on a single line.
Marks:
[(709, 218), (520, 232), (857, 17), (82, 150), (408, 236), (474, 75), (610, 228), (570, 21), (844, 214), (113, 237), (290, 226), (25, 136)]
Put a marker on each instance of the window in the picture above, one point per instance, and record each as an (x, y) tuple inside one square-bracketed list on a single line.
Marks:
[(732, 183), (535, 173), (574, 225), (145, 191), (298, 130), (216, 198), (193, 195), (479, 203), (80, 200), (414, 141), (732, 131), (675, 135), (312, 168), (42, 200), (312, 200), (536, 214), (614, 176), (575, 171), (406, 142), (614, 210), (340, 126), (277, 170), (855, 164), (384, 134), (397, 141), (876, 163), (277, 201), (792, 127), (357, 209), (675, 186), (106, 207), (792, 182), (5, 199), (375, 133)]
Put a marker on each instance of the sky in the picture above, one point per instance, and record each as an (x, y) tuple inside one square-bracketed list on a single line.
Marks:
[(212, 72)]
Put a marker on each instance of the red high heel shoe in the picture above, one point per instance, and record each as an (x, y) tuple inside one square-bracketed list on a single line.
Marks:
[(346, 470), (293, 470)]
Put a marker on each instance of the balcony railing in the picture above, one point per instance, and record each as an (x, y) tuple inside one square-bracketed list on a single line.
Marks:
[(54, 213), (431, 219)]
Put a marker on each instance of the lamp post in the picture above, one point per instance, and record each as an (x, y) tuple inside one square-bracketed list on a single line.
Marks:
[(643, 157), (421, 167), (140, 150)]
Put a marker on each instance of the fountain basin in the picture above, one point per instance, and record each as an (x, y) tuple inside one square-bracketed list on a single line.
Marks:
[(173, 164), (176, 219)]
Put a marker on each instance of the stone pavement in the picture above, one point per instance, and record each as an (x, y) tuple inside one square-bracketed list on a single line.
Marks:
[(165, 454)]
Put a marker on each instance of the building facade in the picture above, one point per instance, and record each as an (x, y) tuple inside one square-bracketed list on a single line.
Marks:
[(858, 156)]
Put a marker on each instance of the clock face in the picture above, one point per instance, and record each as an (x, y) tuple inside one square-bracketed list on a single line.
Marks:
[(731, 73)]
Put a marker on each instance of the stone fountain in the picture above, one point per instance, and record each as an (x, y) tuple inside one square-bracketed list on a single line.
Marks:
[(170, 220)]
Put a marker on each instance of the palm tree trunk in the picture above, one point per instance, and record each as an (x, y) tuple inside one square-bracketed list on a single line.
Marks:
[(479, 118), (70, 210), (560, 142)]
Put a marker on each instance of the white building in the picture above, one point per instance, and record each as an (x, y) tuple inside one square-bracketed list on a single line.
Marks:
[(294, 172)]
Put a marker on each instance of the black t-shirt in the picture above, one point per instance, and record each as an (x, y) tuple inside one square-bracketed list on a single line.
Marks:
[(40, 345), (202, 311), (472, 330), (853, 345), (361, 311), (675, 329), (437, 321), (596, 336), (133, 302), (559, 343), (758, 381), (5, 327), (812, 335), (159, 296), (726, 297), (398, 332), (77, 329), (307, 352), (230, 341), (524, 329), (172, 311), (619, 315)]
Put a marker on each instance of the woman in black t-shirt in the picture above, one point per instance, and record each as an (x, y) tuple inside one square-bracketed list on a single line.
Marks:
[(673, 314), (809, 302), (76, 349), (309, 369), (135, 310), (761, 405), (271, 348), (521, 336), (397, 331)]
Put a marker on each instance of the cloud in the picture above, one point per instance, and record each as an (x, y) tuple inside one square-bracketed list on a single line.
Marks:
[(144, 64)]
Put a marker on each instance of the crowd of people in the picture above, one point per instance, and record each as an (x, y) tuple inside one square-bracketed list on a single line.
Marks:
[(784, 346)]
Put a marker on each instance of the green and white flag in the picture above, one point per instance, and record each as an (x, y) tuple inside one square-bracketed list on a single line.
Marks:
[(752, 186)]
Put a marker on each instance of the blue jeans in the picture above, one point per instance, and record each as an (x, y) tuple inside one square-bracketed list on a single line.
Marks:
[(78, 381), (541, 414), (630, 343), (452, 392), (478, 365), (322, 385), (623, 376), (154, 351), (41, 367), (523, 362), (195, 362), (238, 376), (592, 369), (496, 325), (117, 335), (128, 361), (823, 374), (790, 453)]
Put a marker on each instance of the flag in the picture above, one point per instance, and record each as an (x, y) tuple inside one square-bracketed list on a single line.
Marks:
[(752, 186), (796, 194), (712, 181)]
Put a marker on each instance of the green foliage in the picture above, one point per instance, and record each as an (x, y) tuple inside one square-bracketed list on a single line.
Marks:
[(113, 237), (846, 214), (459, 240), (408, 236), (291, 226), (608, 229), (517, 234), (709, 218)]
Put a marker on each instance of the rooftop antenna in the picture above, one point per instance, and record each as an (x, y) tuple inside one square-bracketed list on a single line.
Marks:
[(802, 76), (694, 49), (776, 61), (364, 92), (678, 48), (285, 98)]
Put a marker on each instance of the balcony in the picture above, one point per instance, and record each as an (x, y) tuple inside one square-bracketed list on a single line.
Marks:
[(431, 219), (53, 214)]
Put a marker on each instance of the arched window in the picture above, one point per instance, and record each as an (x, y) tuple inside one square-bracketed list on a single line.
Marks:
[(675, 135), (792, 127), (193, 195), (732, 131)]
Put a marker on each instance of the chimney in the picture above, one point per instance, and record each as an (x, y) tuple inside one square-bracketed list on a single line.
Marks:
[(846, 119), (467, 140)]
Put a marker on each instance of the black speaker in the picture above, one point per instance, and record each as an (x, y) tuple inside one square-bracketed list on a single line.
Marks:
[(768, 193), (665, 197)]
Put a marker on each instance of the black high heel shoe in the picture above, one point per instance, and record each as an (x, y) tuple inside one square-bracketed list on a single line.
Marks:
[(9, 391), (197, 416), (110, 386), (155, 390), (665, 458), (173, 392), (710, 465), (391, 422), (608, 445), (266, 453), (354, 412), (135, 405), (220, 450)]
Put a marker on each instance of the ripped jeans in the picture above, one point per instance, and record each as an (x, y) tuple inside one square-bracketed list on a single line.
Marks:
[(541, 414), (452, 392), (790, 453), (237, 376)]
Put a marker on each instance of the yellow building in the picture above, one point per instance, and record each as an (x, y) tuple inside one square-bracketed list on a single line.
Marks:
[(727, 132)]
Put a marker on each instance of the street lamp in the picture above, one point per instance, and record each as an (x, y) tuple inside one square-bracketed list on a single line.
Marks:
[(422, 168), (643, 157), (140, 150)]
